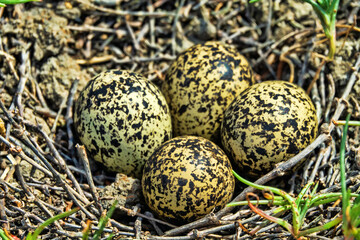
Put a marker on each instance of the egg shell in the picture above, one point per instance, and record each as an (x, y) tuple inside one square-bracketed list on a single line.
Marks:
[(121, 118), (268, 123), (187, 178), (201, 83)]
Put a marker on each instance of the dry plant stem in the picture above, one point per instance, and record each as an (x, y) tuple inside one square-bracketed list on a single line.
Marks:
[(4, 219), (39, 94), (280, 169), (68, 116), (121, 226), (154, 224), (89, 28), (317, 101), (331, 96), (174, 28), (132, 35), (323, 153), (330, 172), (141, 34), (277, 43), (47, 112), (238, 34), (56, 175), (25, 62), (143, 59), (61, 161), (322, 90), (35, 164), (348, 26), (137, 227), (268, 66), (204, 233), (58, 115), (77, 227), (29, 194), (84, 159), (283, 58), (135, 213), (304, 68), (9, 59), (171, 238), (316, 76), (152, 32), (126, 13), (267, 32)]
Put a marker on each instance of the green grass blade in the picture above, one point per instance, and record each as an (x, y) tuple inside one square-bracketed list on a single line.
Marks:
[(4, 2), (355, 213), (49, 221), (303, 210), (103, 221), (3, 235), (346, 197), (357, 200), (326, 226)]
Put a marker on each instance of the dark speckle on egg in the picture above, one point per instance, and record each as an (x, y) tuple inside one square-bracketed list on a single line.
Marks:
[(201, 83), (187, 178), (268, 123), (121, 118)]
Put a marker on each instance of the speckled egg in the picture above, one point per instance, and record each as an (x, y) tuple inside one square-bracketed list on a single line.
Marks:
[(268, 123), (201, 83), (187, 178), (121, 118)]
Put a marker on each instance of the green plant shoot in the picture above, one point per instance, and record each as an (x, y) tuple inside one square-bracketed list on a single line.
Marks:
[(3, 3), (326, 11), (299, 206), (103, 221), (3, 235), (36, 233), (351, 215)]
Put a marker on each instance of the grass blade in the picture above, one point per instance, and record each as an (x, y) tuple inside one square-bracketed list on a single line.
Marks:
[(4, 2), (326, 226), (3, 235), (342, 165), (49, 221), (345, 194), (103, 221)]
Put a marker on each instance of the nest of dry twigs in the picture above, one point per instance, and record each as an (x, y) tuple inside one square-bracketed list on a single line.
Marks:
[(49, 50)]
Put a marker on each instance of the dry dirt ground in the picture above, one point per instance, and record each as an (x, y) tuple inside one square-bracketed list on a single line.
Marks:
[(50, 49)]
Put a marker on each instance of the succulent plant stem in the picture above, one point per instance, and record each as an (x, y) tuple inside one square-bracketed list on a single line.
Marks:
[(326, 11)]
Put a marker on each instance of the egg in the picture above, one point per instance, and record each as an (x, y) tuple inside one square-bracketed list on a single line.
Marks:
[(201, 83), (187, 178), (268, 123), (121, 118)]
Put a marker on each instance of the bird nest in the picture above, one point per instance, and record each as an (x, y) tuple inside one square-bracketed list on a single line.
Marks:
[(50, 49)]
